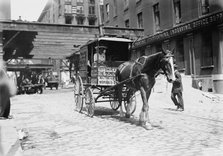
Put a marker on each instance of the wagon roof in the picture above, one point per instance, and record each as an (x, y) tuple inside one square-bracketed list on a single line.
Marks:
[(114, 39)]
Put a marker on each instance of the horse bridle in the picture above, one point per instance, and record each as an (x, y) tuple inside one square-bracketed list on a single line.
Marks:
[(165, 57)]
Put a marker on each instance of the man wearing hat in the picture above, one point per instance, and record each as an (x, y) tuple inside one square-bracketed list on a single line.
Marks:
[(177, 89), (99, 56)]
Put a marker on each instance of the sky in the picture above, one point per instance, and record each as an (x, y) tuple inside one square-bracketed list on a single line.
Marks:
[(29, 10)]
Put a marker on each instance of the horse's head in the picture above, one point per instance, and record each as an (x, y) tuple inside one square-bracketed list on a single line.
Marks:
[(167, 65)]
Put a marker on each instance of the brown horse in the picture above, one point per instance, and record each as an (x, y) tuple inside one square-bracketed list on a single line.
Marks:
[(143, 72)]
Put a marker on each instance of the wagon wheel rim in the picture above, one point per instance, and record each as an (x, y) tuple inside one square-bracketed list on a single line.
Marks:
[(89, 102), (131, 105), (78, 94), (114, 103)]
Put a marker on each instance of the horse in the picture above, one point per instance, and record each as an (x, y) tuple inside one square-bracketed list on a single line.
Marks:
[(140, 76)]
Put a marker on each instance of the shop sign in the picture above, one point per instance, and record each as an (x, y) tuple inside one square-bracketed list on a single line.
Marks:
[(194, 25)]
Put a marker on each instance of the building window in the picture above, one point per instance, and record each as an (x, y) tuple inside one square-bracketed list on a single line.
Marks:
[(91, 10), (156, 16), (92, 1), (80, 21), (91, 22), (140, 20), (80, 10), (115, 8), (204, 7), (177, 11), (180, 52), (68, 20), (126, 4), (80, 2), (67, 9), (107, 11), (127, 23), (207, 52), (59, 8)]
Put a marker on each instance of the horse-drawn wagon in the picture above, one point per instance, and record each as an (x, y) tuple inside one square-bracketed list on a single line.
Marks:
[(95, 81), (107, 75)]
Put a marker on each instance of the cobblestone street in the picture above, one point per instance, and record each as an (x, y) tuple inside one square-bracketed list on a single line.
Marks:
[(56, 129)]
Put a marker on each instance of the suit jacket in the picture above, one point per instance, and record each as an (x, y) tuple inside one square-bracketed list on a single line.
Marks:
[(177, 84)]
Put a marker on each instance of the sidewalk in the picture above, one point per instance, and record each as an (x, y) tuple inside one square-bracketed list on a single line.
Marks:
[(9, 142)]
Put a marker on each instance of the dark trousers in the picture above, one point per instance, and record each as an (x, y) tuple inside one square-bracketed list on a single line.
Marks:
[(177, 98)]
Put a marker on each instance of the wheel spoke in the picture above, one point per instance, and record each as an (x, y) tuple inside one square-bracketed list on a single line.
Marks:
[(90, 102), (78, 94)]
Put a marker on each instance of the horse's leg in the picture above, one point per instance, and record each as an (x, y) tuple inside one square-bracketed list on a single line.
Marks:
[(146, 85), (128, 106), (120, 101), (144, 115)]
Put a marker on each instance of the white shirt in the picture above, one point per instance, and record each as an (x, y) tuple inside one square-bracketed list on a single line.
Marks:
[(99, 57)]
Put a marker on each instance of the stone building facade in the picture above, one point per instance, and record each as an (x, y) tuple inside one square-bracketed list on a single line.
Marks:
[(192, 28), (75, 12)]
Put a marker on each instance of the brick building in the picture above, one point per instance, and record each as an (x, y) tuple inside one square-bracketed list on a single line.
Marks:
[(192, 27)]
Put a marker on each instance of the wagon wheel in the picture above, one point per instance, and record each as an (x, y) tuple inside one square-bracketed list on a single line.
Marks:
[(89, 101), (114, 103), (131, 105), (78, 94)]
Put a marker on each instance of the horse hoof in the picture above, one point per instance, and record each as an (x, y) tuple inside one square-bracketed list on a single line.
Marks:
[(122, 115), (127, 115)]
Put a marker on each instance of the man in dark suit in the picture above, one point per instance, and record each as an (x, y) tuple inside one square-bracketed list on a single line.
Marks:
[(177, 89)]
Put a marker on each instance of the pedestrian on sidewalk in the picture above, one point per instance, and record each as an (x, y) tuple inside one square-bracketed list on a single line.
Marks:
[(7, 89), (177, 90)]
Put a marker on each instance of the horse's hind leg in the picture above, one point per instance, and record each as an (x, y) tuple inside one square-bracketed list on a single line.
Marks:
[(119, 90), (128, 104)]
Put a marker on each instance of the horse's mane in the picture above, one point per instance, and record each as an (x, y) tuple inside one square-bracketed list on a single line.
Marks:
[(153, 62)]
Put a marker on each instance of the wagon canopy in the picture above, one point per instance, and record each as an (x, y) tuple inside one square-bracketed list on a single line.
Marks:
[(115, 39)]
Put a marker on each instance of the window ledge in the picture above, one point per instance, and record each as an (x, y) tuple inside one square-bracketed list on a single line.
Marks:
[(207, 67)]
